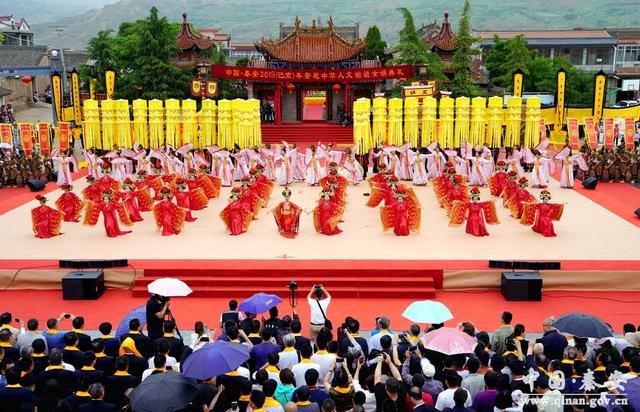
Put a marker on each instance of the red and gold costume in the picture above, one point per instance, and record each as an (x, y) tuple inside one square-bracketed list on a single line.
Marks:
[(45, 221), (169, 217), (443, 184), (69, 204), (287, 216), (498, 181), (91, 192), (542, 215), (235, 215), (475, 213), (210, 184), (327, 215), (264, 186), (521, 197), (459, 191), (249, 197), (111, 210), (189, 200), (383, 191), (510, 187), (130, 200), (404, 214)]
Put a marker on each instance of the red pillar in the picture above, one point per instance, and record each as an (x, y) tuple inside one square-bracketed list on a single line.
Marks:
[(277, 104), (347, 102)]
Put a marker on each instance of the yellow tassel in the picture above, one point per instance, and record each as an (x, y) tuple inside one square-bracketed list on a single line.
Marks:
[(91, 125), (208, 122), (514, 120), (156, 123), (532, 123), (361, 129), (379, 134), (224, 123), (478, 105), (140, 129), (395, 122), (190, 126), (254, 114), (429, 130), (495, 119), (445, 138), (108, 120), (172, 136), (411, 131), (463, 112)]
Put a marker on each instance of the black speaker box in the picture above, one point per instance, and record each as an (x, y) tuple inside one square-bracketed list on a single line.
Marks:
[(516, 286), (590, 183), (86, 285), (523, 265), (36, 185), (93, 264), (637, 212)]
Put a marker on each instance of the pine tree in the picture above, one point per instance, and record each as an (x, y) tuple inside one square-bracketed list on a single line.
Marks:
[(517, 56), (462, 83), (374, 45)]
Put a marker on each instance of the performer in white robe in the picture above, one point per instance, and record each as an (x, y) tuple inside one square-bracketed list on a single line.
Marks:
[(353, 168), (296, 160), (225, 170), (268, 154), (313, 169), (417, 161), (284, 169), (543, 168), (568, 162), (64, 169)]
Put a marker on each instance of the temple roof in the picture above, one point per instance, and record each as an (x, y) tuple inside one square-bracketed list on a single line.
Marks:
[(444, 39), (313, 44), (187, 39)]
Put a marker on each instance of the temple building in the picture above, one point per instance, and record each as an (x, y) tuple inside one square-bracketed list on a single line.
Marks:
[(443, 43), (191, 46)]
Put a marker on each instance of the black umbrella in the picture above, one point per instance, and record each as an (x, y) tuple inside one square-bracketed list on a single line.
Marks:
[(164, 392), (582, 325)]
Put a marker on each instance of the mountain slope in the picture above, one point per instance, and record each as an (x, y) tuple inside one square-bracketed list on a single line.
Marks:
[(249, 20), (43, 11)]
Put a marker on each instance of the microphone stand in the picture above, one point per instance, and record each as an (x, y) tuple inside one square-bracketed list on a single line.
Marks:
[(170, 316)]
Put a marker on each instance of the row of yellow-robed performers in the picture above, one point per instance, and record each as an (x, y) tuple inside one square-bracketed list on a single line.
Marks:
[(172, 122)]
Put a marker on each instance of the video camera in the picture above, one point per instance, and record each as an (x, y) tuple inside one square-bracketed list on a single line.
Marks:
[(293, 285)]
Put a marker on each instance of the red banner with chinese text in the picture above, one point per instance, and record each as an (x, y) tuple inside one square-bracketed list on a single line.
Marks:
[(6, 133), (629, 132), (608, 133), (44, 138), (591, 132), (64, 134), (26, 137), (574, 133), (313, 76)]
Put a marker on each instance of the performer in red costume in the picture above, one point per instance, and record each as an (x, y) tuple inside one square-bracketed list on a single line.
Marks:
[(459, 192), (143, 195), (46, 221), (235, 216), (287, 215), (169, 217), (91, 192), (475, 213), (443, 184), (111, 210), (498, 181), (542, 215), (69, 204), (209, 183), (128, 196), (404, 214), (510, 187), (326, 215), (521, 197), (106, 182), (250, 198), (184, 200)]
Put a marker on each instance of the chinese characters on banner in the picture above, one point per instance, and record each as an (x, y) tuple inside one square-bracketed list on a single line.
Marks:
[(314, 76), (6, 133), (608, 133), (43, 133), (591, 132), (64, 133), (574, 133), (629, 132), (26, 137)]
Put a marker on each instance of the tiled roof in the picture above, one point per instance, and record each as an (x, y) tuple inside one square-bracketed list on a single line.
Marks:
[(444, 39), (214, 34), (312, 45), (546, 34), (187, 39), (22, 55)]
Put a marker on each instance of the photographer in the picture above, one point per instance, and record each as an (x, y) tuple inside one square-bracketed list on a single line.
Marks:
[(319, 300), (157, 308)]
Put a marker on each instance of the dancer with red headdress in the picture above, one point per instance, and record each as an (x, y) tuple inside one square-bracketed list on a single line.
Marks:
[(542, 215), (69, 204), (112, 209), (235, 215), (475, 213), (287, 215), (46, 221), (404, 214), (497, 182), (327, 214), (128, 195), (169, 217), (519, 198)]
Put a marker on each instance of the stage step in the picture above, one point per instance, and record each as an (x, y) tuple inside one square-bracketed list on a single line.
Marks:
[(307, 133)]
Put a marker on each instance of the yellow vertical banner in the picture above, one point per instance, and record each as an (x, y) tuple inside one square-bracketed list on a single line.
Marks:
[(172, 114), (514, 121), (463, 114), (558, 136), (237, 108), (599, 90), (532, 122), (123, 124), (429, 132), (445, 137), (208, 123), (75, 91), (225, 127), (190, 127), (56, 94), (108, 123), (395, 122), (140, 129), (91, 125), (518, 82), (379, 132), (478, 121), (92, 89), (411, 130), (361, 130), (495, 117), (156, 123), (366, 108), (254, 107), (110, 82)]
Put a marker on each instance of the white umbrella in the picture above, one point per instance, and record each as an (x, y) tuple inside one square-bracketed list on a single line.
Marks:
[(5, 145), (169, 287)]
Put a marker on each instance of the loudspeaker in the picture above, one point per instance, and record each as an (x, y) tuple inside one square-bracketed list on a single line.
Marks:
[(522, 265), (590, 183), (521, 286), (36, 185), (637, 212), (93, 264), (83, 285)]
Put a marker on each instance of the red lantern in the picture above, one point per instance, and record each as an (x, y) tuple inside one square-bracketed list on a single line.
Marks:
[(336, 88), (26, 79), (290, 87)]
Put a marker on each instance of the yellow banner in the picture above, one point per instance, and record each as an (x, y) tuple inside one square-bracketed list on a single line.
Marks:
[(110, 82), (560, 90), (598, 95), (56, 88), (518, 80), (92, 89), (75, 88)]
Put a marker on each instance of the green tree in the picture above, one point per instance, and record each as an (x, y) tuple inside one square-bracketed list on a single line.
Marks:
[(242, 62), (513, 54), (101, 51), (542, 78), (412, 50), (374, 45), (462, 83)]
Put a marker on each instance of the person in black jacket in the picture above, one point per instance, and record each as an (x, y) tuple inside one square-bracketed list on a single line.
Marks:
[(13, 397), (119, 382), (84, 340), (88, 370), (176, 345), (40, 359), (55, 371), (144, 345), (104, 363), (72, 354), (110, 343), (97, 403)]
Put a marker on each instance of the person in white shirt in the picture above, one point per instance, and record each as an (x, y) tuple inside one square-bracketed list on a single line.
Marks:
[(323, 358), (383, 327), (446, 397), (159, 365), (305, 364), (368, 391), (318, 307), (163, 349), (288, 357)]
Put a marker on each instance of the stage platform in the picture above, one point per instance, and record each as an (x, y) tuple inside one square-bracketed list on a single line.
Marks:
[(597, 249)]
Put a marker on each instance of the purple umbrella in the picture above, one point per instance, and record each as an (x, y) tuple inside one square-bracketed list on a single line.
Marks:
[(137, 313), (260, 303), (215, 359)]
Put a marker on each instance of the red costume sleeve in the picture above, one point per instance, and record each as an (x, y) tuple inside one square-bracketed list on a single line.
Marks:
[(145, 201), (198, 200), (91, 213), (458, 213), (123, 214), (490, 214), (387, 217), (529, 214)]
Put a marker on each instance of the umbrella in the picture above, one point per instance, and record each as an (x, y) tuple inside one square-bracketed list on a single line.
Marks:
[(427, 311), (582, 325), (163, 392), (449, 341), (169, 287), (5, 145), (260, 303), (138, 313), (214, 359)]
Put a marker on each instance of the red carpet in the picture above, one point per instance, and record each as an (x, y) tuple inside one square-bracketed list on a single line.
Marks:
[(313, 112), (620, 198), (304, 134), (483, 308)]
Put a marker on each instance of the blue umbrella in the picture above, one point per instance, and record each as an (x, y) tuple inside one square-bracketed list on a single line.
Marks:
[(582, 325), (215, 359), (260, 303), (427, 311), (138, 313)]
